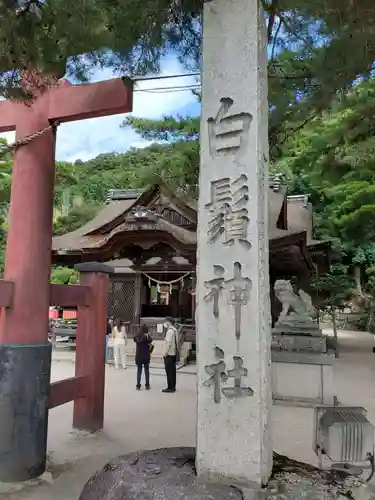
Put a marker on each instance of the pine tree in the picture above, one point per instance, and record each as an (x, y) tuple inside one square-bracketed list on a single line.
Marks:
[(73, 36)]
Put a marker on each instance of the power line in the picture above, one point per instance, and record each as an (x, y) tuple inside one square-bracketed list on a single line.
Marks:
[(196, 86), (167, 90), (163, 77)]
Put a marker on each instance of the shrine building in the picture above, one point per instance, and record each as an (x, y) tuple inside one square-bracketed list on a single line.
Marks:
[(149, 238)]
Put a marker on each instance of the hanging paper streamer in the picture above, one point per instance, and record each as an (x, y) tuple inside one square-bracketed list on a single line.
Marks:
[(167, 283)]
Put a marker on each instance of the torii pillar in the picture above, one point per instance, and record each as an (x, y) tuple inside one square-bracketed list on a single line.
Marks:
[(25, 353)]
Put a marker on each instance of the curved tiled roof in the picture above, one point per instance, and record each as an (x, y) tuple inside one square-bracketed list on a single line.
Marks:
[(112, 221)]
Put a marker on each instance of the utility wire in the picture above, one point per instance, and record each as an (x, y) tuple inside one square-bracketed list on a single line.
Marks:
[(167, 90), (194, 86), (163, 77)]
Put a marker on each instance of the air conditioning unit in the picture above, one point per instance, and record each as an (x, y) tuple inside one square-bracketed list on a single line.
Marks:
[(344, 435)]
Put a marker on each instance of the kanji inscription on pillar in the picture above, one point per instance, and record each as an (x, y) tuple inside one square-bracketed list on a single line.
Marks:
[(228, 134), (237, 288), (219, 376), (229, 214), (215, 286), (237, 373)]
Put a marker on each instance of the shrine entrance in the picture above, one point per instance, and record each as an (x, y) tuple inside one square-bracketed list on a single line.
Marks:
[(137, 296)]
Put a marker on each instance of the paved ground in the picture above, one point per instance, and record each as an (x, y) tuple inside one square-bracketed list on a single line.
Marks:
[(146, 420)]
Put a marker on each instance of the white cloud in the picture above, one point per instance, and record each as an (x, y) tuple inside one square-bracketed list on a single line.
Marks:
[(88, 138)]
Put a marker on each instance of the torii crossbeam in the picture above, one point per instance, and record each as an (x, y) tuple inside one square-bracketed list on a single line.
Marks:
[(25, 355)]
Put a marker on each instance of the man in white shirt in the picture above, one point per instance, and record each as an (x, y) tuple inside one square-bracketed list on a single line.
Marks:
[(170, 354)]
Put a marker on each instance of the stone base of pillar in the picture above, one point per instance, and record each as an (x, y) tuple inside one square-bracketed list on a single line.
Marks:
[(24, 384), (169, 474)]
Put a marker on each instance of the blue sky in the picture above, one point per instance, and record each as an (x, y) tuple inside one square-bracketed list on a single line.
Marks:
[(88, 138)]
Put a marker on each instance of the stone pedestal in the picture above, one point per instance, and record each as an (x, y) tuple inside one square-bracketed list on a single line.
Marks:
[(302, 379), (233, 310), (302, 367)]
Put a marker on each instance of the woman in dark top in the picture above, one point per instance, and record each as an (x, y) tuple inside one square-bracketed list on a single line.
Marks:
[(142, 355)]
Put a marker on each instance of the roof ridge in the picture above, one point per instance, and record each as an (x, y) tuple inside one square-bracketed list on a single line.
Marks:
[(124, 194)]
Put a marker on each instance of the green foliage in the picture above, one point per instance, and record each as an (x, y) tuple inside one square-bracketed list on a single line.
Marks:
[(64, 276), (335, 288), (129, 36), (166, 129), (74, 219), (176, 162), (317, 49), (333, 159)]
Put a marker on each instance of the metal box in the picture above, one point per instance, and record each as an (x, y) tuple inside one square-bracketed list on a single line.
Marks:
[(343, 434)]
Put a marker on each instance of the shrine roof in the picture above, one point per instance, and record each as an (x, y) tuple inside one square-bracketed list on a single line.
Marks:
[(106, 215), (76, 241), (112, 222)]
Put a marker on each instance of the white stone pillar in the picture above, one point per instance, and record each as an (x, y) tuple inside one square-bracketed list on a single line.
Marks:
[(233, 307)]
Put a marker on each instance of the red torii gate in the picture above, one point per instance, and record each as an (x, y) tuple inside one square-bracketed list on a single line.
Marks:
[(25, 353)]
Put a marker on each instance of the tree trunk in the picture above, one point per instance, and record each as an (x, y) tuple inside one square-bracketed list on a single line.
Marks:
[(334, 328), (357, 278)]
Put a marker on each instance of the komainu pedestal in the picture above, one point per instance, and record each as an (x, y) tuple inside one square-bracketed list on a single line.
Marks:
[(302, 365)]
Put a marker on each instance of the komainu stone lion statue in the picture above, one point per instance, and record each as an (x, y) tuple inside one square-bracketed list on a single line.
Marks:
[(296, 309)]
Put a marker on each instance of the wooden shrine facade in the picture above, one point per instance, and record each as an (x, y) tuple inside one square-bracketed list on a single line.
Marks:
[(149, 238)]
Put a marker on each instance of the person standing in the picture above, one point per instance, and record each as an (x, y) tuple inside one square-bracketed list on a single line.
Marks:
[(119, 340), (170, 354), (144, 348)]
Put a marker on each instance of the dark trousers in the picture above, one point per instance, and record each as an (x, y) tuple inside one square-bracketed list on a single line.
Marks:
[(170, 370), (146, 366)]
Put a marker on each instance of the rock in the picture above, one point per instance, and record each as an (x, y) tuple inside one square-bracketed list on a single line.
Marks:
[(166, 474), (47, 477), (169, 474)]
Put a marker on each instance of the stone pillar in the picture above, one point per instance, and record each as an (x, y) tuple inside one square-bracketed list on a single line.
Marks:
[(233, 304)]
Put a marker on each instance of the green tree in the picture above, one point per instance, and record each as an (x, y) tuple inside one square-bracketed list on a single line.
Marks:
[(64, 276), (317, 49), (75, 218), (129, 36), (176, 160), (334, 290), (333, 158)]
